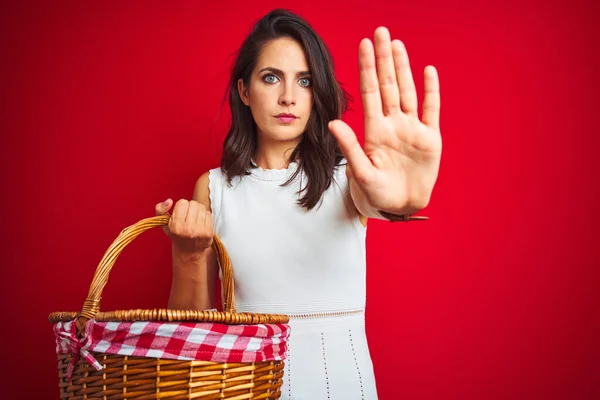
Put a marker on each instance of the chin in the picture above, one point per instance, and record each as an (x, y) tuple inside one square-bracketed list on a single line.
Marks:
[(285, 134)]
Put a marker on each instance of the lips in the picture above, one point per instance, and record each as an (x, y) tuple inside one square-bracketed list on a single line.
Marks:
[(286, 118)]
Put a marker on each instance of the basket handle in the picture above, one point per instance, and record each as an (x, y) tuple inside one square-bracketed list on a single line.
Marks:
[(91, 306)]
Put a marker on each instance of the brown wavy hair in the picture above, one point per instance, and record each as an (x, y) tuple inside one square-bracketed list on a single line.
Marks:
[(318, 152)]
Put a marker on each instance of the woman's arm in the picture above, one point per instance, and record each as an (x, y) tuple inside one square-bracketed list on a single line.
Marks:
[(194, 280), (195, 267)]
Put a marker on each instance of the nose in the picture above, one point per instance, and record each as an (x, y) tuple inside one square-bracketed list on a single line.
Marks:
[(287, 97)]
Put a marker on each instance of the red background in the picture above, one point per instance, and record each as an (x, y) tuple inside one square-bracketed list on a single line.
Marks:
[(110, 108)]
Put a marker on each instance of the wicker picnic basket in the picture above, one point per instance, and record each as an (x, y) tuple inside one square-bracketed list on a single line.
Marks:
[(131, 377)]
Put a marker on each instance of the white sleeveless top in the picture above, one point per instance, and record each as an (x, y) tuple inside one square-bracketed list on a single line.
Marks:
[(310, 265)]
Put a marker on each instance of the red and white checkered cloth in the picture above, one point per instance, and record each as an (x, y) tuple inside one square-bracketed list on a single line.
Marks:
[(174, 340)]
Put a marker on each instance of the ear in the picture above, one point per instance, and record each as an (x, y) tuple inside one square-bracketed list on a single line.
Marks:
[(243, 92)]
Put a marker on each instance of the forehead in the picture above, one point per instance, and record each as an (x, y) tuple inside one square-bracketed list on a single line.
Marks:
[(284, 53)]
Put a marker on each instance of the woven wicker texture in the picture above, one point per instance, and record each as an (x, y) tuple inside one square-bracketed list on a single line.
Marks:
[(126, 377)]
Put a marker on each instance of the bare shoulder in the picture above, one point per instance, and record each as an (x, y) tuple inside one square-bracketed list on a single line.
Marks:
[(202, 191)]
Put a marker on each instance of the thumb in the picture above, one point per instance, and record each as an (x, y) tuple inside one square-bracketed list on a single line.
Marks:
[(355, 155), (164, 207)]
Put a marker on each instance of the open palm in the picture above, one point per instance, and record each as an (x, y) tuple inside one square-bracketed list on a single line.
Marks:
[(398, 166)]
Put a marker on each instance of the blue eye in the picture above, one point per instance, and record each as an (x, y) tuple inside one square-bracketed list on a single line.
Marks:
[(305, 82), (270, 78)]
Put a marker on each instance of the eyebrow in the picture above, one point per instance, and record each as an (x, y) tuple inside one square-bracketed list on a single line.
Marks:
[(280, 72)]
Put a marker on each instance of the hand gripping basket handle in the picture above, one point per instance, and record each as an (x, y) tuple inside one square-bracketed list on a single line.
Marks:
[(92, 304)]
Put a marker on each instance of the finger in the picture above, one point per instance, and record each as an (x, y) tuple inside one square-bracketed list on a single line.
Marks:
[(192, 213), (208, 222), (179, 213), (369, 85), (431, 102), (201, 217), (356, 157), (406, 84), (386, 73), (164, 207)]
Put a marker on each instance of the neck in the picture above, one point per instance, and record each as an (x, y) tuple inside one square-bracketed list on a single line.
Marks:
[(274, 155)]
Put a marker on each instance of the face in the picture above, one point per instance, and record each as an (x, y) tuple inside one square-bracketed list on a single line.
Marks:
[(280, 92)]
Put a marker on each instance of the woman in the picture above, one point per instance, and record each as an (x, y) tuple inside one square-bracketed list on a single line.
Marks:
[(292, 196)]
